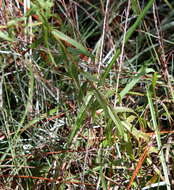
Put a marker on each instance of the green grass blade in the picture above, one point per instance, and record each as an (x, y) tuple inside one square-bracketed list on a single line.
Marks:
[(157, 133), (80, 117), (169, 4), (110, 65), (109, 111), (139, 19), (135, 132), (103, 181), (134, 81), (135, 6), (5, 36), (116, 121), (39, 118), (30, 93), (119, 109), (128, 35), (61, 36)]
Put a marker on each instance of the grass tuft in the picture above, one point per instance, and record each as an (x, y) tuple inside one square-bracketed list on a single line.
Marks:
[(86, 94)]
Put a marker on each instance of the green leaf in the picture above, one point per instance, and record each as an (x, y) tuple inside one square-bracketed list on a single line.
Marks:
[(5, 36), (109, 67), (61, 36), (109, 111), (157, 133), (116, 121), (15, 22), (154, 80), (80, 116), (90, 77), (135, 80), (152, 110), (39, 118), (119, 109), (134, 5), (139, 19), (135, 132), (128, 35)]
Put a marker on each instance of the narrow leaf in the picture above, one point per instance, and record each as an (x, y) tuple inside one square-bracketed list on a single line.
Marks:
[(5, 36), (128, 35), (61, 36), (80, 117), (134, 81)]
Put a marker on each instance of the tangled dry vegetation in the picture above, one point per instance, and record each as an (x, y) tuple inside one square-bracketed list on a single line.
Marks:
[(86, 94)]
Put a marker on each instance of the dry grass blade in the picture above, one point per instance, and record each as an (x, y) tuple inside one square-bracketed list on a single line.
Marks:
[(139, 165)]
